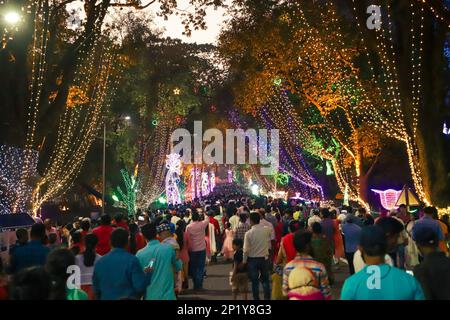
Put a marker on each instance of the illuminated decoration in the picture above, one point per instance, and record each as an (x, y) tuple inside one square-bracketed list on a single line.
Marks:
[(346, 196), (162, 200), (282, 179), (15, 191), (173, 165), (407, 198), (205, 184), (12, 17), (230, 176), (446, 130), (129, 196), (177, 91), (255, 189), (212, 181), (213, 108), (277, 81), (330, 171), (115, 198), (155, 122), (388, 198)]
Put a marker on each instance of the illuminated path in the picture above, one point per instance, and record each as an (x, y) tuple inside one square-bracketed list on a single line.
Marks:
[(217, 283)]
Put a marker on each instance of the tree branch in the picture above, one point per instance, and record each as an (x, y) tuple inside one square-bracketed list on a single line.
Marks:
[(134, 4)]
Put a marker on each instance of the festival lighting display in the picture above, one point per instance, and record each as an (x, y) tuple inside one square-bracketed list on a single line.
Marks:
[(15, 192), (173, 166), (205, 184), (388, 197), (129, 196)]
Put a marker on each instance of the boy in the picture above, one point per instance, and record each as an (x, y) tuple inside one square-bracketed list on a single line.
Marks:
[(239, 279)]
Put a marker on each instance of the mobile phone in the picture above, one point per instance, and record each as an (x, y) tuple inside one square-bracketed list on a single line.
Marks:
[(410, 272), (151, 263)]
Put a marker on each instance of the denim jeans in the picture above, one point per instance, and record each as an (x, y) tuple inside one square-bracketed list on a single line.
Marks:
[(257, 267), (197, 260)]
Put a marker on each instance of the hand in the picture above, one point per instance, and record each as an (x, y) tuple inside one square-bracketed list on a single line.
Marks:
[(148, 269)]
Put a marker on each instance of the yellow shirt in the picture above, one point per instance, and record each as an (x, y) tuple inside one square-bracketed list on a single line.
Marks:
[(297, 215)]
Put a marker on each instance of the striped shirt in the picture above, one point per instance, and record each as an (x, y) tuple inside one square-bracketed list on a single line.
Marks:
[(317, 268), (241, 229)]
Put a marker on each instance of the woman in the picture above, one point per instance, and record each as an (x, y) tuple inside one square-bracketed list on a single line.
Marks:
[(227, 248), (182, 239), (86, 261), (137, 241), (321, 249), (338, 242), (76, 242), (58, 263), (287, 250)]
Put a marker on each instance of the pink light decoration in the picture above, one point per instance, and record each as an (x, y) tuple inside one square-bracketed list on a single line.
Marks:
[(388, 198), (230, 176)]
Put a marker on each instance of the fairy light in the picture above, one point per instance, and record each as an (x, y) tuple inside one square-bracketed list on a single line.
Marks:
[(128, 196)]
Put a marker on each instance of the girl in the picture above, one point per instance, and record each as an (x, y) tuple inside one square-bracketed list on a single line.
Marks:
[(86, 261), (227, 249)]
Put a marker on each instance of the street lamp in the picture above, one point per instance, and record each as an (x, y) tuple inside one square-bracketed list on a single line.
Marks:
[(12, 18)]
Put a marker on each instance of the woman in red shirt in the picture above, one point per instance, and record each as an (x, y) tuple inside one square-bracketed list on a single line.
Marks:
[(136, 241)]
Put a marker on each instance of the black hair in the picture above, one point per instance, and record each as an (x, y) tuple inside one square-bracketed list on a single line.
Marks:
[(302, 240), (238, 242), (373, 241), (325, 213), (293, 226), (390, 225), (38, 231), (118, 217), (21, 233), (119, 238), (58, 261), (369, 221), (179, 231), (90, 242), (77, 236), (243, 217), (134, 229), (30, 284), (316, 228), (149, 231), (85, 225), (255, 217), (195, 216), (52, 237), (105, 220)]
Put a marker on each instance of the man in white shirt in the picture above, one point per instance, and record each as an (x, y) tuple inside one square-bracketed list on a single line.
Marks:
[(234, 220), (256, 254), (315, 218)]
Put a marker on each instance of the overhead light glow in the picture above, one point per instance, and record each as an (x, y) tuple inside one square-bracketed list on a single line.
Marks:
[(12, 17)]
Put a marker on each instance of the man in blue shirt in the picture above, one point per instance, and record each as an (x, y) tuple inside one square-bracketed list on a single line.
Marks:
[(161, 260), (34, 253), (428, 222), (351, 233), (118, 274), (379, 281)]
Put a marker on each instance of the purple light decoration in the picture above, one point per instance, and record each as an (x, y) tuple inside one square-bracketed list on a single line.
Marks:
[(230, 176), (205, 184), (212, 181), (388, 198)]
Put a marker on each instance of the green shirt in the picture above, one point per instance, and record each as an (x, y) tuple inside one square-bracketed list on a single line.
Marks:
[(381, 282), (76, 294)]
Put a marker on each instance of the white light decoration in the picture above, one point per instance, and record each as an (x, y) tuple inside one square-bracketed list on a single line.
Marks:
[(12, 18), (205, 184), (388, 198), (173, 165), (212, 181), (17, 168), (255, 189), (446, 130)]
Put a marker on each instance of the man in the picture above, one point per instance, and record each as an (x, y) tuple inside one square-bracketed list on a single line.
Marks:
[(85, 226), (242, 228), (34, 253), (103, 233), (351, 233), (403, 214), (428, 221), (287, 218), (392, 229), (321, 250), (378, 280), (444, 230), (256, 254), (270, 216), (161, 260), (118, 274), (120, 221), (303, 259), (327, 226), (433, 272), (196, 231), (398, 253), (297, 213)]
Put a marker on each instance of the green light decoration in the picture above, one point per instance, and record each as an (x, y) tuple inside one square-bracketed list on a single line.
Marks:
[(129, 198), (155, 122), (277, 81), (330, 171), (282, 179), (115, 198), (162, 200)]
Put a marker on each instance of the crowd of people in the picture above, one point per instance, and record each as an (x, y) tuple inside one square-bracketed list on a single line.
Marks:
[(291, 248)]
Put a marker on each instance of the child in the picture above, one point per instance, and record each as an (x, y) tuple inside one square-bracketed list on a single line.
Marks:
[(239, 279), (227, 248)]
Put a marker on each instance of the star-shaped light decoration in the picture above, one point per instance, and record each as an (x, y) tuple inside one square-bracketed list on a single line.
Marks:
[(177, 91)]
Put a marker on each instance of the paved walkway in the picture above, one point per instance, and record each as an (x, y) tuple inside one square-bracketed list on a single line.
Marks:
[(217, 287)]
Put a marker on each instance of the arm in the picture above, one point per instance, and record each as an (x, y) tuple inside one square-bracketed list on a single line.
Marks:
[(325, 285), (281, 255), (245, 248), (96, 284), (138, 278), (285, 285)]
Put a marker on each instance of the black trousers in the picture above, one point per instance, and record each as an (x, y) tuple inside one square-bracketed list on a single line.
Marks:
[(349, 257)]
